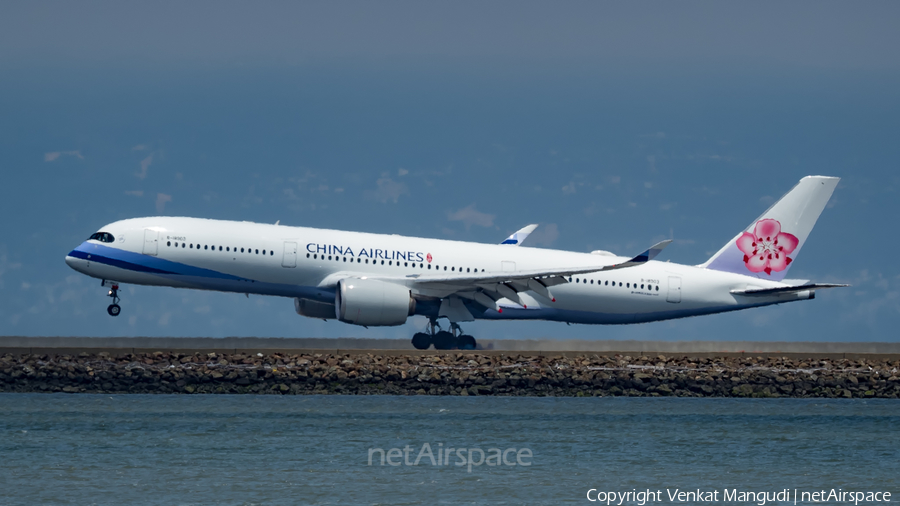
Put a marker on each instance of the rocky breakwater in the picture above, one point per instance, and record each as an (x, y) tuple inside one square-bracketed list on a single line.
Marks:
[(451, 374)]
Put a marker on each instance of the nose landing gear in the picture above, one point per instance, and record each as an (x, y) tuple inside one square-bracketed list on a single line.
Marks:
[(453, 339), (114, 308)]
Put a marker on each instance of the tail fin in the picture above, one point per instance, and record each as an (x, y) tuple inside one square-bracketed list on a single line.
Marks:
[(768, 246)]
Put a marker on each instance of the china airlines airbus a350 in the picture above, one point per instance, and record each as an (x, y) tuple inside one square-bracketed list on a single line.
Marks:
[(373, 279)]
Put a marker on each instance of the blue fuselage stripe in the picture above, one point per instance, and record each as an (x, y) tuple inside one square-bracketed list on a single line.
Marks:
[(93, 257)]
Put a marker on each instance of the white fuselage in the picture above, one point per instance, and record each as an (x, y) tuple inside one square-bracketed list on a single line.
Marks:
[(306, 263)]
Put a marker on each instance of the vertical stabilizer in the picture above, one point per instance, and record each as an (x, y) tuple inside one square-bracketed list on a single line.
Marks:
[(767, 247)]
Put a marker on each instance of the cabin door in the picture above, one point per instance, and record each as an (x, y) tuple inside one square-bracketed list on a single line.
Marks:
[(674, 289), (290, 255), (151, 242)]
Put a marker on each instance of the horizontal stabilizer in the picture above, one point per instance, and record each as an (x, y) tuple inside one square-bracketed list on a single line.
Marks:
[(785, 289)]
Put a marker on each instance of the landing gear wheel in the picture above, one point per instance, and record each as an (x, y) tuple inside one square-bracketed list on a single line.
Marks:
[(466, 342), (421, 341), (444, 340), (113, 308)]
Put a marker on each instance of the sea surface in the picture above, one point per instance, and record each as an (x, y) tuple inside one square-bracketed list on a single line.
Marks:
[(217, 449)]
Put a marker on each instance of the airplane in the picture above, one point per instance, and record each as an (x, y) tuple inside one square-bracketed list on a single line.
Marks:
[(381, 280)]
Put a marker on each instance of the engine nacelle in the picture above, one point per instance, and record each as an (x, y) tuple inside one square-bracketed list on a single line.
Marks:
[(314, 309), (370, 302)]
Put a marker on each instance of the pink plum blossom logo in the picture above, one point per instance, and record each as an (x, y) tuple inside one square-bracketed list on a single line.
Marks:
[(767, 248)]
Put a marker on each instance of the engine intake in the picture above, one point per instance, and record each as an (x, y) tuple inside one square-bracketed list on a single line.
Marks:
[(369, 302)]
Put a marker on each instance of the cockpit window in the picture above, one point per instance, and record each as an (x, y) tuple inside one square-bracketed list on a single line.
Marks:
[(103, 237)]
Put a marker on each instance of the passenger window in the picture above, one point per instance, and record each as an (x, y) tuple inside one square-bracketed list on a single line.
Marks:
[(405, 264), (307, 255), (168, 243), (183, 245), (467, 269), (592, 281), (453, 269)]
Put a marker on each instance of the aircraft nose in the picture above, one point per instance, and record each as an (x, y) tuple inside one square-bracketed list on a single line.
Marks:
[(76, 263)]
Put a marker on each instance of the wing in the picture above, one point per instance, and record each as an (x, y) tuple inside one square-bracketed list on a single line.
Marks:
[(517, 238), (487, 288)]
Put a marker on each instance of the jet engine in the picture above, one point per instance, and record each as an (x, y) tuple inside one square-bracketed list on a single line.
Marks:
[(369, 302)]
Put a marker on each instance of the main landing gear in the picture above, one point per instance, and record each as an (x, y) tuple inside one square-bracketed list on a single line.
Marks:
[(453, 339), (114, 308)]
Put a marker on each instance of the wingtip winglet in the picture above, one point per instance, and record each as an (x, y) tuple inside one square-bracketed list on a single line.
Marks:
[(653, 251)]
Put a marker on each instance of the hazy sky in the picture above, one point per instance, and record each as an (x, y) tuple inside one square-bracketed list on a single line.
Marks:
[(612, 125)]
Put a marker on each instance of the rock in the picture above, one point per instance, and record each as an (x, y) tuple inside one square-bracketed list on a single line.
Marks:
[(462, 374)]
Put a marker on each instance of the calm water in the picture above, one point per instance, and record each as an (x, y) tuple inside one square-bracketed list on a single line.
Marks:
[(159, 449)]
